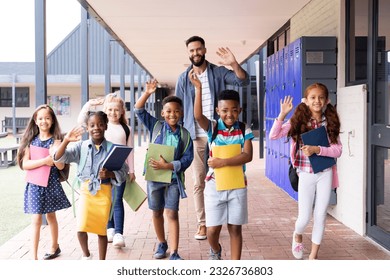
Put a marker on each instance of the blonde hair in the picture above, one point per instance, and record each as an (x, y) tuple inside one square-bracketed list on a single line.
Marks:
[(114, 98)]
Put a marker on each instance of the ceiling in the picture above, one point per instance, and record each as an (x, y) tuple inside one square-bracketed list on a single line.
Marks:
[(155, 31)]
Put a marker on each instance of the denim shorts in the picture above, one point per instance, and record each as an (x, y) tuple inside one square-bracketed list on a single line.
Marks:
[(163, 195)]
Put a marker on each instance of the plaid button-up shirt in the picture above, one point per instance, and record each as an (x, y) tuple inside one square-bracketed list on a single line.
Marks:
[(302, 162)]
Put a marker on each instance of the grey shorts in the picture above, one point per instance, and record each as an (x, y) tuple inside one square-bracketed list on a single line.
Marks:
[(225, 207)]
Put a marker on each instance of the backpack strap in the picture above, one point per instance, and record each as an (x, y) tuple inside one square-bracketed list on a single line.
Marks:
[(184, 139), (127, 131), (242, 127), (156, 131), (83, 156)]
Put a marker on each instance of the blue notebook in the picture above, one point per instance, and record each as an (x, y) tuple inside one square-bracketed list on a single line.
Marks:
[(116, 157), (318, 137)]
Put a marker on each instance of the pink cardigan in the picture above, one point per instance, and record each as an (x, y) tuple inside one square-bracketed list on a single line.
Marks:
[(280, 129)]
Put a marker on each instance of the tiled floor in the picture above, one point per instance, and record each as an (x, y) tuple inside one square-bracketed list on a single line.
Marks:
[(267, 236)]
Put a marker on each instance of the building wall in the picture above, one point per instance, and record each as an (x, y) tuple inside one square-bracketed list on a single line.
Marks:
[(73, 91), (323, 18), (317, 18)]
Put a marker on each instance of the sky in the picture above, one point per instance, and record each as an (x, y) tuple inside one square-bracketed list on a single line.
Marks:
[(17, 27)]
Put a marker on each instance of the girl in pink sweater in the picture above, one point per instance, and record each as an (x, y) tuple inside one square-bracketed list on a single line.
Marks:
[(314, 111)]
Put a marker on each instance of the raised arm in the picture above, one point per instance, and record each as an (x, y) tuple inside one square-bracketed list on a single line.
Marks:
[(198, 114), (72, 136), (81, 119), (228, 59), (150, 88), (285, 107)]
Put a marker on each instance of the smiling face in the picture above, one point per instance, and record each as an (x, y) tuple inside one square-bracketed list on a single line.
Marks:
[(114, 112), (172, 112), (228, 111), (316, 100), (44, 120), (197, 53), (96, 125)]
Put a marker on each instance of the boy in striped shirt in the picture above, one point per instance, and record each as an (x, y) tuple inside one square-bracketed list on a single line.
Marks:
[(228, 206)]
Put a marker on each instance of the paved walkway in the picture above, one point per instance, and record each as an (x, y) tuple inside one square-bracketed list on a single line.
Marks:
[(267, 236)]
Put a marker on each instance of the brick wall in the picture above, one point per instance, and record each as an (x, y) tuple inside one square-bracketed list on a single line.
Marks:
[(317, 18)]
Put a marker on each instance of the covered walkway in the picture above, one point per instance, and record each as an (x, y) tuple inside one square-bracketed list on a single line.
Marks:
[(267, 236)]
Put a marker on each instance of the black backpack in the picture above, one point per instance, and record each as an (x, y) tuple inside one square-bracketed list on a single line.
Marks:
[(127, 131)]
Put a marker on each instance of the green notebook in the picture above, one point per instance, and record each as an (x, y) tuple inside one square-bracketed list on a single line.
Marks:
[(161, 175), (134, 195)]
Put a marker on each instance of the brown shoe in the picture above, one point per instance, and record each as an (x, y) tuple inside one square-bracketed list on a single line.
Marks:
[(202, 233)]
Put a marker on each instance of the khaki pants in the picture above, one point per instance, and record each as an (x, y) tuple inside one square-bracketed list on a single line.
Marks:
[(199, 174)]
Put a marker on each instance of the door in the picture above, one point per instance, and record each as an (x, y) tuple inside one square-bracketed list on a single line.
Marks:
[(378, 215)]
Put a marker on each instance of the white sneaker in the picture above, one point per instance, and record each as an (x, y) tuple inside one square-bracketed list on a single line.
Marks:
[(118, 240), (110, 234), (87, 258), (297, 248)]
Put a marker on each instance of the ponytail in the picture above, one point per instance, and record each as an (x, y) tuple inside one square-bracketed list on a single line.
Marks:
[(333, 123)]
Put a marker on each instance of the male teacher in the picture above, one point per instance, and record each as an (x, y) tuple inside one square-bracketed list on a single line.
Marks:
[(214, 79)]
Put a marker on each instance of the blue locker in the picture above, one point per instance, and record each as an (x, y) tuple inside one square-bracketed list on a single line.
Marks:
[(281, 94), (289, 72)]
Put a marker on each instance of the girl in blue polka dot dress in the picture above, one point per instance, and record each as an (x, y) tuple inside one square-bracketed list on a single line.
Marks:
[(42, 130)]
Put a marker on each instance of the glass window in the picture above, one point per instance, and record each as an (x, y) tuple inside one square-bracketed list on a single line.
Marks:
[(22, 97), (357, 25), (382, 65)]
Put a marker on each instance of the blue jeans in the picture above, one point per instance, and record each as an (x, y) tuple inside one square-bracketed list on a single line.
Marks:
[(118, 217)]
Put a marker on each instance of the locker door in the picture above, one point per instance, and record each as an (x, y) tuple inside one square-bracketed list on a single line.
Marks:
[(267, 119), (297, 72), (282, 93)]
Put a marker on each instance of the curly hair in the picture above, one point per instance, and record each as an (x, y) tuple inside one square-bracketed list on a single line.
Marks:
[(172, 98), (302, 114), (32, 130), (99, 114)]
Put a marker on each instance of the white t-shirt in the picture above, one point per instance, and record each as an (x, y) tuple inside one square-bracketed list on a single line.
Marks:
[(207, 105)]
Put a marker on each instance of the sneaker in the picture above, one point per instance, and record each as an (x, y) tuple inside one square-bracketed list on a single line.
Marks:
[(216, 256), (118, 240), (202, 233), (87, 258), (175, 256), (297, 248), (161, 250), (110, 234)]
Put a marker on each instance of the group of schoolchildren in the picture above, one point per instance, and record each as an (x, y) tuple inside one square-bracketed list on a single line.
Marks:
[(101, 190)]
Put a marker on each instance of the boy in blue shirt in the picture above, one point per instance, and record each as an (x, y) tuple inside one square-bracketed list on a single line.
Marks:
[(164, 197), (227, 206)]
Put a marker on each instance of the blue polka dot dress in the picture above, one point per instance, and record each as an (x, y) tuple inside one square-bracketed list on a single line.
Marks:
[(42, 200)]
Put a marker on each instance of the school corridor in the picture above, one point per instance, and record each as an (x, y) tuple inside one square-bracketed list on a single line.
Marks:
[(267, 236)]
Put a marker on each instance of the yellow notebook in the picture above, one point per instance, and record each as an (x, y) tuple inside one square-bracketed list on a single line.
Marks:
[(134, 195), (154, 151), (228, 177)]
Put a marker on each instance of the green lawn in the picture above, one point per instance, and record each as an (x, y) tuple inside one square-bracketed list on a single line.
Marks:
[(12, 185)]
